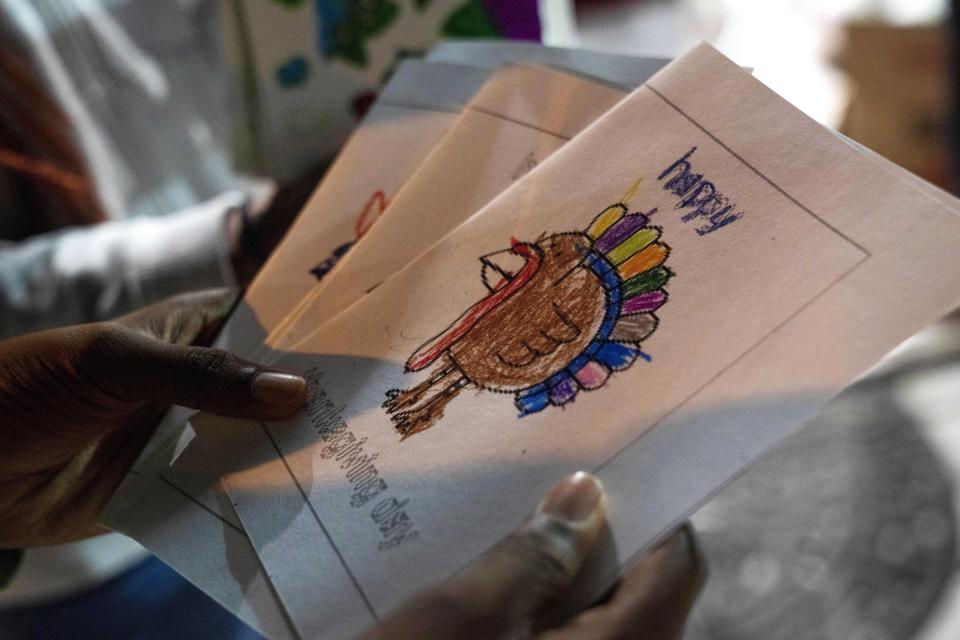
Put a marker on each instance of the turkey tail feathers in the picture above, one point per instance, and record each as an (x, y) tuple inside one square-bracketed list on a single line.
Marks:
[(635, 328), (592, 376), (607, 218), (650, 258), (625, 254), (619, 232), (629, 259)]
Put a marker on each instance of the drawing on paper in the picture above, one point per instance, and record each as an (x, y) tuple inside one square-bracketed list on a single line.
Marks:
[(563, 313), (293, 73), (344, 27), (371, 212)]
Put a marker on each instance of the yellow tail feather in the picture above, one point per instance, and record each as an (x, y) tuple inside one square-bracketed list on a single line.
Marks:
[(607, 219), (632, 191)]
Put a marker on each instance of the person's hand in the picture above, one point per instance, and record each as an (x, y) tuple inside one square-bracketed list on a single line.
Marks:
[(78, 404), (504, 593)]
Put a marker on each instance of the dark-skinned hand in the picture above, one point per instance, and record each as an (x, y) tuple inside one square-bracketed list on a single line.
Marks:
[(78, 404), (504, 594)]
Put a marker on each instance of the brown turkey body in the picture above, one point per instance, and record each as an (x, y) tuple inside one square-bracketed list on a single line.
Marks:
[(540, 329)]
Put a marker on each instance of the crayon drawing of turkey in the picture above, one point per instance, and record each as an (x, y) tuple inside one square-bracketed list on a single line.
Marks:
[(563, 313)]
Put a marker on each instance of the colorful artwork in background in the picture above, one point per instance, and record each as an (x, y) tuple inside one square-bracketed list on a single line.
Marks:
[(294, 72), (369, 214), (344, 27), (311, 69), (564, 313)]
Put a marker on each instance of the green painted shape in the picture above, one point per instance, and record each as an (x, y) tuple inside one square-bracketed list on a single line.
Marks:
[(374, 16), (365, 19), (471, 20), (649, 280), (350, 48)]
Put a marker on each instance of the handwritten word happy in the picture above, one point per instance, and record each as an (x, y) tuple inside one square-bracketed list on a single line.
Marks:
[(700, 197)]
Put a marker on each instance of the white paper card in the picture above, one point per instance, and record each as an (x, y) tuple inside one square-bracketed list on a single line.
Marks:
[(731, 266), (516, 121), (190, 541), (179, 513)]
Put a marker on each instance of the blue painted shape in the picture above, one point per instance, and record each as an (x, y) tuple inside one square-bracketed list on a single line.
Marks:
[(325, 267), (330, 15), (578, 363), (294, 72), (611, 281), (533, 400), (616, 356)]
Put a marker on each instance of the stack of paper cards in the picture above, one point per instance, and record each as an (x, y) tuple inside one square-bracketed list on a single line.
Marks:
[(561, 261)]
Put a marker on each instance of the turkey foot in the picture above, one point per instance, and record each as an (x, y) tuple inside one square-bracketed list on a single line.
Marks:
[(422, 416), (400, 399)]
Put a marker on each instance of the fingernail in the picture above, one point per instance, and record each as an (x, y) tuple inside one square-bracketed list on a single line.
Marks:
[(573, 498), (278, 389)]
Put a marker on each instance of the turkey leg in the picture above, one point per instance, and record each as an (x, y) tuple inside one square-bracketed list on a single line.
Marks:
[(419, 408)]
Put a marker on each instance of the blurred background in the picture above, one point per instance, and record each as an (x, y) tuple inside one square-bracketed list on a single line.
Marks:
[(113, 112), (848, 530), (877, 70)]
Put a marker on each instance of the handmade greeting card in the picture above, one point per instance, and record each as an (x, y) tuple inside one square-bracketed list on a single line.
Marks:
[(518, 119), (659, 301), (179, 513), (412, 115)]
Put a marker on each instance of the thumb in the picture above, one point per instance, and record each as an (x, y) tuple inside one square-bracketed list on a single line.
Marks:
[(135, 368), (504, 591)]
